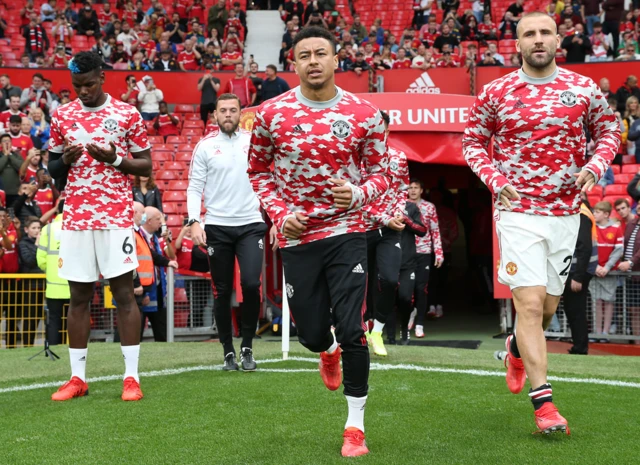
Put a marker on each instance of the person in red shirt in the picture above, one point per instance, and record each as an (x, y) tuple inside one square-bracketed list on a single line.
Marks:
[(428, 34), (180, 7), (147, 46), (196, 11), (241, 86), (212, 124), (20, 142), (47, 194), (58, 59), (231, 57), (131, 94), (104, 16), (487, 29), (28, 170), (402, 61), (14, 110), (129, 14), (189, 58), (166, 124)]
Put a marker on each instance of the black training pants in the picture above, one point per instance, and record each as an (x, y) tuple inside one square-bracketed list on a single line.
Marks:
[(384, 256), (57, 311), (224, 245), (575, 307), (328, 276), (423, 265)]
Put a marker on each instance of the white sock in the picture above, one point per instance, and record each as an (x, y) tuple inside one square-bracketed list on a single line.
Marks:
[(78, 358), (131, 355), (377, 326), (356, 412), (334, 346)]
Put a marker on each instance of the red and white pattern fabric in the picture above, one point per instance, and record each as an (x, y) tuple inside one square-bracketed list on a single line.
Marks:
[(430, 242), (539, 140), (308, 143), (98, 196), (382, 210)]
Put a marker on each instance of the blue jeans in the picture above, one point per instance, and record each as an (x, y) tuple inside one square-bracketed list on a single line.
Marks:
[(148, 116), (591, 20)]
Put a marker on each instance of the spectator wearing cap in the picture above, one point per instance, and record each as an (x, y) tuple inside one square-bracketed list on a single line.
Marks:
[(20, 142), (10, 163), (165, 62), (273, 85), (241, 86), (120, 55), (88, 24), (37, 41), (150, 98)]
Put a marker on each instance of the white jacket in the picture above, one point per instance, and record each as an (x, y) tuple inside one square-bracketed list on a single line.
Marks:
[(150, 100)]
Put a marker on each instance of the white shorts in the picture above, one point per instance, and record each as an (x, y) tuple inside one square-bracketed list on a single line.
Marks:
[(85, 255), (536, 250)]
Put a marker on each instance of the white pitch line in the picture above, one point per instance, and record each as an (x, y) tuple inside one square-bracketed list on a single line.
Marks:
[(374, 366)]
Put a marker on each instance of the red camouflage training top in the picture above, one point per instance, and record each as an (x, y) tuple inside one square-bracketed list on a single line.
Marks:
[(98, 196), (539, 138), (310, 143)]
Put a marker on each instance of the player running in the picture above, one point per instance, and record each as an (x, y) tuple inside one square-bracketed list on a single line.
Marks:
[(234, 227), (318, 137), (536, 116), (384, 253), (90, 140)]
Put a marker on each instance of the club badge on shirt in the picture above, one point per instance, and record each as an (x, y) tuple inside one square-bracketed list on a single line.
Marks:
[(341, 129)]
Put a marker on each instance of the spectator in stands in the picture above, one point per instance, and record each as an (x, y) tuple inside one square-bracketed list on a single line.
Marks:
[(360, 64), (628, 53), (487, 30), (231, 57), (147, 46), (177, 32), (517, 10), (217, 17), (105, 47), (569, 13), (257, 80), (634, 136), (357, 30), (344, 61), (605, 88), (492, 49), (88, 24), (62, 31), (37, 41), (128, 37), (146, 192), (421, 12), (445, 38), (600, 44), (613, 14), (508, 26), (292, 7), (208, 85), (577, 45), (19, 141), (166, 124), (242, 87), (448, 59), (591, 13), (138, 62), (48, 11), (629, 88), (624, 211), (424, 59), (196, 11), (189, 59), (470, 30), (131, 94), (197, 35), (514, 60), (10, 163), (165, 62), (39, 127), (120, 56), (30, 167), (164, 44), (14, 109), (59, 58), (211, 58), (631, 113), (70, 13), (6, 91), (610, 250), (150, 98), (32, 301), (25, 130), (402, 61), (25, 206)]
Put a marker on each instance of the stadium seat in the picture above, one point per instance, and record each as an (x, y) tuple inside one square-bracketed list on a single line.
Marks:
[(184, 157), (174, 221), (597, 190), (615, 189), (162, 184), (196, 124), (192, 134), (178, 185), (612, 199), (168, 175), (630, 169), (162, 148), (616, 169), (176, 140), (594, 199), (628, 160), (156, 140), (161, 156), (183, 108), (150, 129), (174, 196), (192, 117), (623, 178), (186, 147), (171, 208), (174, 165)]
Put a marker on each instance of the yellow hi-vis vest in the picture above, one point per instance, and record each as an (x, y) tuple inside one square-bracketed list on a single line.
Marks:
[(48, 250)]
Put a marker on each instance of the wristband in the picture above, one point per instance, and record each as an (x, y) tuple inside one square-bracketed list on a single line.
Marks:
[(117, 161)]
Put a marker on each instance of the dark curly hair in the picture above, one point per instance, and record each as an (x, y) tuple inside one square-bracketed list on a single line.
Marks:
[(312, 32), (85, 62)]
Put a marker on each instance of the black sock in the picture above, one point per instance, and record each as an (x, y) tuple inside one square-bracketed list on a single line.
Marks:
[(540, 396), (228, 348), (514, 347)]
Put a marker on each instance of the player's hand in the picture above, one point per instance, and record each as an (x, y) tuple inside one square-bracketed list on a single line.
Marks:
[(342, 194), (146, 300), (508, 193), (576, 286), (273, 237), (71, 153), (395, 224), (586, 180), (198, 236), (624, 266), (101, 154), (173, 264), (438, 262), (294, 226), (138, 290), (601, 271)]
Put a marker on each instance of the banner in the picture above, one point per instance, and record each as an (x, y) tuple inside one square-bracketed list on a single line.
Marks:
[(434, 112), (433, 81)]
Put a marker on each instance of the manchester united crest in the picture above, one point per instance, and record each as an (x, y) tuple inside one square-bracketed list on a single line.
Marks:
[(511, 268), (341, 129), (568, 98), (110, 125)]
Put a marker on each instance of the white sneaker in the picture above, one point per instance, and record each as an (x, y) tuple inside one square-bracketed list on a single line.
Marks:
[(412, 318), (439, 312), (432, 312), (613, 329), (419, 331)]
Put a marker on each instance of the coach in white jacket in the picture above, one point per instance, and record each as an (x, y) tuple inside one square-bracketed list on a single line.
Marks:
[(150, 98)]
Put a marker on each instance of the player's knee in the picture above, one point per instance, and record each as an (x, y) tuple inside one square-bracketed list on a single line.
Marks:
[(530, 309), (250, 286), (388, 283), (124, 297)]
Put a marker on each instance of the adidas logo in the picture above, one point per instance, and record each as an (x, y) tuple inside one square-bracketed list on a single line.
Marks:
[(261, 244), (423, 85), (398, 245), (298, 128), (358, 269), (519, 104), (83, 359), (74, 125), (128, 261)]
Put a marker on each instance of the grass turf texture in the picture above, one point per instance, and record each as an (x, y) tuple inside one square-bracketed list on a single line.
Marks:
[(290, 418)]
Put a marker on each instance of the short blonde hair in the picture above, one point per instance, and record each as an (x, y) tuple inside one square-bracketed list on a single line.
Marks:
[(603, 207)]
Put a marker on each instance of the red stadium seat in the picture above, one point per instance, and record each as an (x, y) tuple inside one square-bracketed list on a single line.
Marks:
[(193, 134), (192, 117), (176, 140), (156, 140), (174, 220), (597, 190), (184, 157), (612, 199), (168, 175), (628, 160), (150, 129), (171, 208), (162, 184), (162, 148), (593, 199), (183, 108), (615, 189), (630, 169), (174, 196), (161, 156), (178, 185), (623, 178), (616, 169), (196, 124), (186, 147), (174, 165)]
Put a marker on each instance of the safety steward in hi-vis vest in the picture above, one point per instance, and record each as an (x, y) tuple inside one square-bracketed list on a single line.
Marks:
[(146, 272)]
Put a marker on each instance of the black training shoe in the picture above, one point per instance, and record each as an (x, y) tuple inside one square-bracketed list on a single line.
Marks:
[(247, 360), (230, 363)]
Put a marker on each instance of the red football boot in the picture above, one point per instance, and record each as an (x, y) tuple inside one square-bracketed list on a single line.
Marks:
[(516, 376), (75, 387), (330, 369), (548, 420), (131, 389), (354, 444)]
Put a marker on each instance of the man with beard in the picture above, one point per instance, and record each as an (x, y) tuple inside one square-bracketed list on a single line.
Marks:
[(233, 228), (536, 116)]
